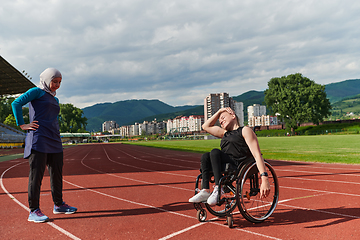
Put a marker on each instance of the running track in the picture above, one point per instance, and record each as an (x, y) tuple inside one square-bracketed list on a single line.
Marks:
[(131, 192)]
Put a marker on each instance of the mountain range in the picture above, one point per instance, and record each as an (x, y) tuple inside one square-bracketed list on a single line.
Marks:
[(129, 111)]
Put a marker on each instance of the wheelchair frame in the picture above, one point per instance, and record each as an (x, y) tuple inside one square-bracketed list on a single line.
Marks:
[(245, 194)]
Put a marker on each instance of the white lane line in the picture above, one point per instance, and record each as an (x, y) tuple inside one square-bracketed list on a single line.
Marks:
[(319, 173), (164, 210), (321, 180), (63, 231), (144, 160), (145, 169), (321, 211), (182, 231), (315, 190), (149, 206)]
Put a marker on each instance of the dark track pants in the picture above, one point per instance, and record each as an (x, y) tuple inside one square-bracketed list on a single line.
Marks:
[(38, 161), (213, 161)]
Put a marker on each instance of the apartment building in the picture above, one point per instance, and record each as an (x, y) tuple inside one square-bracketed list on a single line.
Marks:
[(109, 126), (192, 123), (257, 116), (213, 102)]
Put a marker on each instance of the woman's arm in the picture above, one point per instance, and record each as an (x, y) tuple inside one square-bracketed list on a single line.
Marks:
[(209, 125), (18, 103), (252, 142)]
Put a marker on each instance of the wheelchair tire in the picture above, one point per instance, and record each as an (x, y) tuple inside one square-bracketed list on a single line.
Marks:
[(201, 215), (251, 207), (227, 206), (219, 210)]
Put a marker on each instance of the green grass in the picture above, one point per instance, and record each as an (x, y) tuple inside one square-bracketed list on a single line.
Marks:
[(320, 148)]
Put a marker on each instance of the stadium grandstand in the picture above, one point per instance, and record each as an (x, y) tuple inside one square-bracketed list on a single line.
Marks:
[(12, 82)]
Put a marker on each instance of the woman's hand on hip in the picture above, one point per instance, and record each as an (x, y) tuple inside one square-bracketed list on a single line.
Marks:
[(31, 126)]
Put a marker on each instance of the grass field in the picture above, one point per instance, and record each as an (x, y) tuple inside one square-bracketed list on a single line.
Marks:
[(320, 148)]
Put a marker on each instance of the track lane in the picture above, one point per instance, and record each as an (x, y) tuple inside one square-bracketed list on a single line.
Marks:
[(298, 196)]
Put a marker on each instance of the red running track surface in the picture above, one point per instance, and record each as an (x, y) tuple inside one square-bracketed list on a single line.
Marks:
[(131, 192)]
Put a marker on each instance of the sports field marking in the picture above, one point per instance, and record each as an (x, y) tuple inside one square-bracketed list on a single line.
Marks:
[(149, 206), (182, 231), (134, 180), (319, 173), (321, 211), (322, 180), (324, 166), (63, 231), (163, 210), (172, 157), (166, 164), (324, 191), (145, 169)]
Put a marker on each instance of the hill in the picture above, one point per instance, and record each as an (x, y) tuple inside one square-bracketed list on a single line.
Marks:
[(346, 105), (130, 111), (251, 97), (337, 91), (124, 112)]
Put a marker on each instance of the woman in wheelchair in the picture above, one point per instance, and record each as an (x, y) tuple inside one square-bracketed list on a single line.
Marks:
[(237, 144)]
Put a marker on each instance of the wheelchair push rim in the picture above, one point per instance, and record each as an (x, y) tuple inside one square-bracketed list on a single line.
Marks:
[(250, 205)]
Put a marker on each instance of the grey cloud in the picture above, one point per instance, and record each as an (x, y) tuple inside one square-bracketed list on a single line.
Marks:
[(179, 51)]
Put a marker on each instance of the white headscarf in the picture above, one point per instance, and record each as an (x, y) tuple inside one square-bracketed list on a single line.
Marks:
[(46, 77)]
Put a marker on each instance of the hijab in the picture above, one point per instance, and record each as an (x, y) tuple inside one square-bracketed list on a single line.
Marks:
[(46, 77)]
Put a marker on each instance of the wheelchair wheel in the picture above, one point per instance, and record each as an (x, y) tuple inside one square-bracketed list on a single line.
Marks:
[(227, 205), (201, 215), (227, 201), (250, 205)]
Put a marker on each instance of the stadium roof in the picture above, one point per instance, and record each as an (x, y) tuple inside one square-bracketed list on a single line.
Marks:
[(11, 80)]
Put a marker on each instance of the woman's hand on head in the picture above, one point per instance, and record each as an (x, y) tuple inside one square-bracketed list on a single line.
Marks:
[(226, 109), (31, 126)]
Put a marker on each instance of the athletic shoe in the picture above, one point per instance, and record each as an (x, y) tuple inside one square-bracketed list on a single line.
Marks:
[(201, 196), (37, 216), (64, 208), (213, 199)]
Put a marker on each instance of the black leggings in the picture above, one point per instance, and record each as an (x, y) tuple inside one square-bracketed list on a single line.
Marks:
[(38, 161), (213, 161)]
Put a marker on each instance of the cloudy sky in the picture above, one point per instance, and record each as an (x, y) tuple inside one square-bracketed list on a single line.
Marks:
[(179, 51)]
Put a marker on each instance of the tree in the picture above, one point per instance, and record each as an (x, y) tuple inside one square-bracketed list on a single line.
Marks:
[(297, 99), (71, 119), (5, 107), (10, 121)]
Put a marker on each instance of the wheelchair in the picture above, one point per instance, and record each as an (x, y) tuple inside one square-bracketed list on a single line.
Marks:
[(240, 186)]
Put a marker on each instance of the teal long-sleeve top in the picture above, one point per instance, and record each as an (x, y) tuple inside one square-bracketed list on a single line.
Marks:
[(31, 94)]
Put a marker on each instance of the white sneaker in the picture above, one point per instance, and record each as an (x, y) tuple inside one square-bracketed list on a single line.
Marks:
[(213, 199), (201, 196)]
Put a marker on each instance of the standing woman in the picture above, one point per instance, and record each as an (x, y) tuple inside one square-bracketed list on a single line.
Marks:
[(237, 145), (43, 146)]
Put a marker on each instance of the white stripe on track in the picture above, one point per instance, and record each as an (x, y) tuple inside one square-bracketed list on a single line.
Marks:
[(320, 211), (323, 191), (319, 173), (63, 231), (167, 211), (145, 169), (157, 208), (321, 180), (182, 231)]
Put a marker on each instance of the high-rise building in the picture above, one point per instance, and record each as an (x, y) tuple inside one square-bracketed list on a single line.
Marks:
[(255, 110), (213, 102), (238, 107), (109, 125)]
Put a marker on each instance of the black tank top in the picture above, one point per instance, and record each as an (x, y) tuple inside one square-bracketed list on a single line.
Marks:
[(233, 144)]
